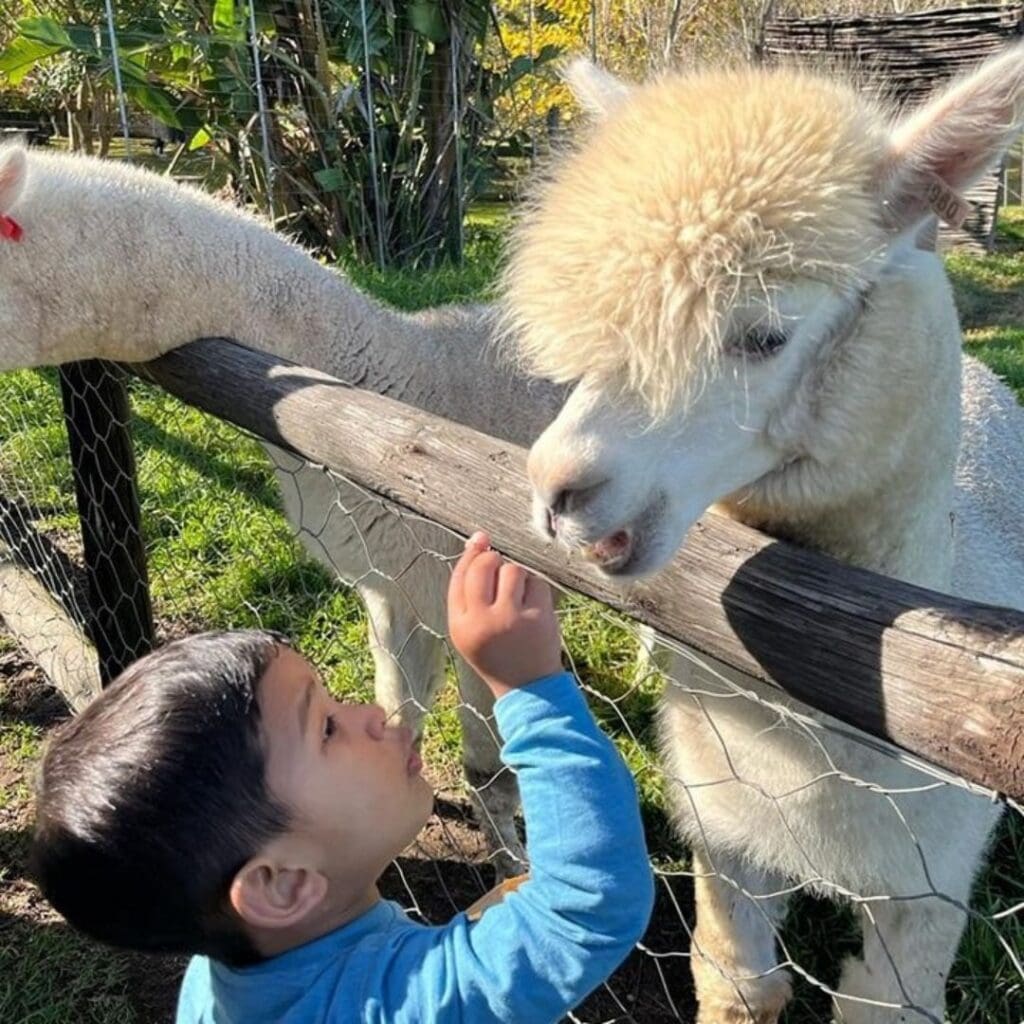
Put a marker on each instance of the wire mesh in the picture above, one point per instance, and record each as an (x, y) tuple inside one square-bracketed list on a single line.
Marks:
[(839, 856), (810, 842)]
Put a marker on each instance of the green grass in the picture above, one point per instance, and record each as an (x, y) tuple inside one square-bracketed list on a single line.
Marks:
[(221, 554), (20, 744), (473, 281), (51, 975), (990, 297)]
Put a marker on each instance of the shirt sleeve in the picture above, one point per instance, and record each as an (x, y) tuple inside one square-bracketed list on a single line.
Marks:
[(537, 954)]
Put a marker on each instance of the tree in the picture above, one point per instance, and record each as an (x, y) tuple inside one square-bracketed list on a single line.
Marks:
[(62, 61)]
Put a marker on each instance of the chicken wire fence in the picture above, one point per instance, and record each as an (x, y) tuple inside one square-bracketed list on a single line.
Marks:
[(233, 538)]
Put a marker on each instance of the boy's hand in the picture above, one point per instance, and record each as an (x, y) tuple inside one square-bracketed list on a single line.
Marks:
[(501, 619)]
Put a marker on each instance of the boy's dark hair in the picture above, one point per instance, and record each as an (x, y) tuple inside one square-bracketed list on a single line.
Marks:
[(151, 799)]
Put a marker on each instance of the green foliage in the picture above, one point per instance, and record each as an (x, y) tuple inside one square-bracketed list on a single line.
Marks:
[(990, 297), (378, 134), (404, 129)]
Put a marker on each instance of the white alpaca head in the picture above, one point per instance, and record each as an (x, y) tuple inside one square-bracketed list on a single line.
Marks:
[(717, 248)]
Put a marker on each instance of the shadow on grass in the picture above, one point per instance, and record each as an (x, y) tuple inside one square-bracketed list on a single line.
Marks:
[(255, 485), (987, 290), (50, 974)]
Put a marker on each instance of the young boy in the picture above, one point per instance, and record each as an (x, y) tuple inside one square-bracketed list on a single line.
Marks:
[(216, 800)]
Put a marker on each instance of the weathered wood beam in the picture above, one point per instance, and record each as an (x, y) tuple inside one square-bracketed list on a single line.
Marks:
[(50, 637), (939, 676)]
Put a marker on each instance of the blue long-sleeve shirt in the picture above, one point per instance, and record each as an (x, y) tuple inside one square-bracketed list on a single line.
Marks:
[(530, 958)]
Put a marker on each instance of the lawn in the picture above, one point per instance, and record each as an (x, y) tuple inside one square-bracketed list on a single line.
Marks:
[(221, 554)]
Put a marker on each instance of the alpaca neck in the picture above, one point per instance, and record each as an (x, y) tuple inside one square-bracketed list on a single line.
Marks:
[(880, 494), (141, 265), (133, 265), (904, 531)]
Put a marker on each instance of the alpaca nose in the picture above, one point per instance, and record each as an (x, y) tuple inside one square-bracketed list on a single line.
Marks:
[(561, 486), (566, 500), (556, 506)]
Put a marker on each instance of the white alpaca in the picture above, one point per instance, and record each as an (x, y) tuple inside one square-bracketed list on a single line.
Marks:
[(726, 266), (119, 263)]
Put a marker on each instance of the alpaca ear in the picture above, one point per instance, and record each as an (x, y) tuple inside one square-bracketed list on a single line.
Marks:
[(948, 144), (13, 166), (598, 91)]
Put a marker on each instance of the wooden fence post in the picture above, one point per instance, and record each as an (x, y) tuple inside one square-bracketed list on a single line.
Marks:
[(96, 413)]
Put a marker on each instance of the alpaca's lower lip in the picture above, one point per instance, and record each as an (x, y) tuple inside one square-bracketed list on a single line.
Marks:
[(632, 549)]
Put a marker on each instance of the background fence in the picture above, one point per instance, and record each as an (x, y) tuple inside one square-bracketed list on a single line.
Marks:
[(112, 541), (905, 54)]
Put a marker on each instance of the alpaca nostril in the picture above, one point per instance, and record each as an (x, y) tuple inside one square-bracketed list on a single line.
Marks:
[(569, 500), (551, 522)]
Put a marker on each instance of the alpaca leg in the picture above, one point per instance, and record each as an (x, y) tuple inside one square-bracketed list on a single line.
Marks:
[(735, 965), (492, 786), (909, 949), (408, 658), (652, 657), (409, 661)]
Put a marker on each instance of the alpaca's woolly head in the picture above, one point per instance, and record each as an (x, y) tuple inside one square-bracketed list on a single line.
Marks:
[(663, 237), (726, 266)]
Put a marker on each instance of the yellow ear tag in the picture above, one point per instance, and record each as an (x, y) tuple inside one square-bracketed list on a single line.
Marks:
[(495, 895), (945, 203)]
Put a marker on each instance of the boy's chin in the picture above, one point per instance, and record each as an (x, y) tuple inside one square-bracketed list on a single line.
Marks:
[(424, 803), (427, 792)]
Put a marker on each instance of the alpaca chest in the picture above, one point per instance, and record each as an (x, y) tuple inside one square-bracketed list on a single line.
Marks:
[(753, 772)]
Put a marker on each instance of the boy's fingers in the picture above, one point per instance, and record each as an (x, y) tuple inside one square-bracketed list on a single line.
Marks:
[(538, 594), (457, 583), (475, 545), (478, 540), (512, 584), (481, 579), (456, 597)]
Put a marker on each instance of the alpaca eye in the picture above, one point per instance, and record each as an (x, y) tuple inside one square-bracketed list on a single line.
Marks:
[(758, 343)]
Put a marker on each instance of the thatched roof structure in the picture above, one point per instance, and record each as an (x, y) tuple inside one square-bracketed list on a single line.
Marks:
[(909, 55)]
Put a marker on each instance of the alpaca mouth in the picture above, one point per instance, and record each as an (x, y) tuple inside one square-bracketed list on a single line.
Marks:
[(611, 554), (632, 549)]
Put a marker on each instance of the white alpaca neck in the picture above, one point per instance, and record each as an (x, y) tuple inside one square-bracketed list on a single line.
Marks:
[(874, 486), (119, 263)]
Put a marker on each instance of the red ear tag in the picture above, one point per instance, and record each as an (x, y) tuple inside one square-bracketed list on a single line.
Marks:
[(10, 228)]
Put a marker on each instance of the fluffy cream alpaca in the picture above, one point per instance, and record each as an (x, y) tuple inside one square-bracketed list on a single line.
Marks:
[(726, 267), (117, 262)]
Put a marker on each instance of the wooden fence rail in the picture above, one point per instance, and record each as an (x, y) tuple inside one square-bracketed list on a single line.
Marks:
[(936, 675)]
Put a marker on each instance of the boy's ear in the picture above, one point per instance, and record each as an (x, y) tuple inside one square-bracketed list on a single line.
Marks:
[(266, 894), (948, 144)]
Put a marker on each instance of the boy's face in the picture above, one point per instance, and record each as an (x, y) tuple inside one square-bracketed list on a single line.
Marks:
[(351, 783)]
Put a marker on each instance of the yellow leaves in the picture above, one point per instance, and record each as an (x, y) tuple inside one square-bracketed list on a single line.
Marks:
[(526, 30)]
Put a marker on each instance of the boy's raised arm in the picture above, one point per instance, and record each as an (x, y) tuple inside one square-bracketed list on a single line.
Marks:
[(537, 954)]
